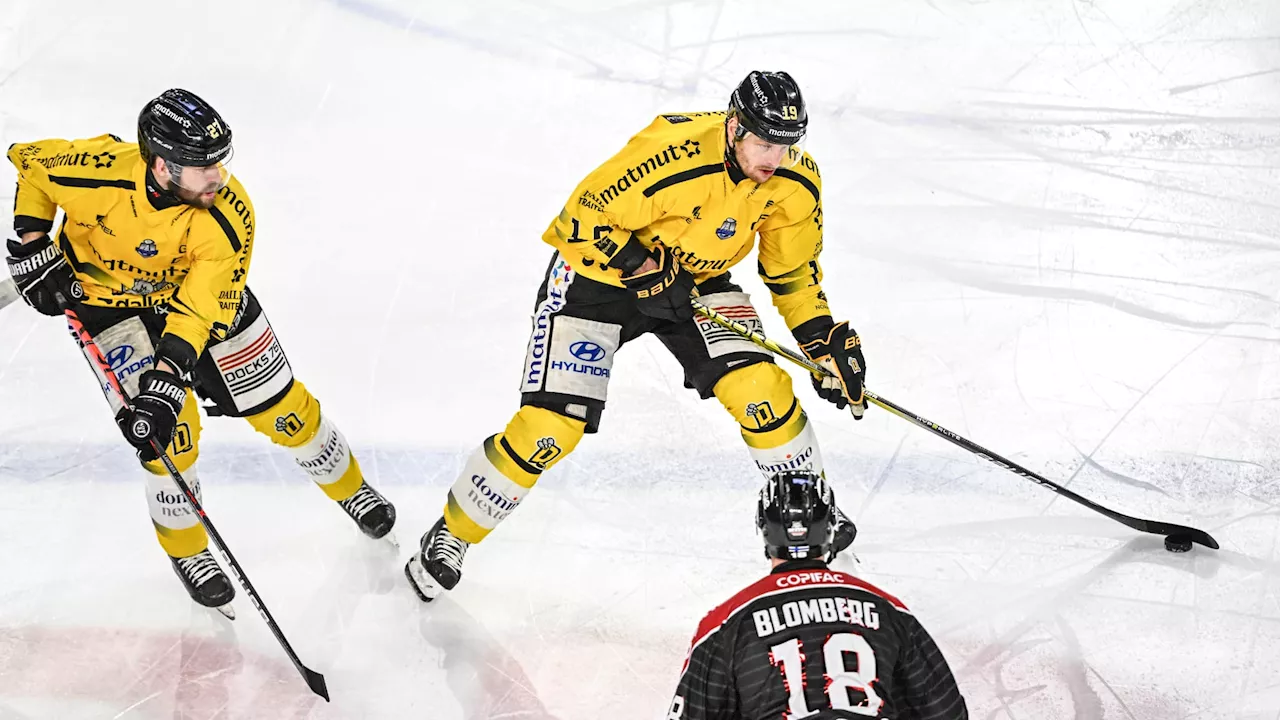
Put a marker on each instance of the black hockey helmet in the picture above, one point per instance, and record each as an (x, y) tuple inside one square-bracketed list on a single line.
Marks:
[(796, 515), (769, 105), (184, 130)]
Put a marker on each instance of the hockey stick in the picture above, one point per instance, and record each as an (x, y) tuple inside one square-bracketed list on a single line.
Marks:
[(314, 680), (1148, 526), (8, 292)]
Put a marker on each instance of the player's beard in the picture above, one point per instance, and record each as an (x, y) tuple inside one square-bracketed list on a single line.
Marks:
[(754, 171), (203, 199)]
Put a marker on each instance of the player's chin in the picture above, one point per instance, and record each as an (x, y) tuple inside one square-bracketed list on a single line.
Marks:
[(201, 200)]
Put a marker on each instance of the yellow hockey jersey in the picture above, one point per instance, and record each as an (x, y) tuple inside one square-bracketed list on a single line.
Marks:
[(125, 252), (670, 184)]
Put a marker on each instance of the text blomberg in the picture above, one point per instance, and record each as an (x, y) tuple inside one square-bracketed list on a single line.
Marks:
[(825, 610)]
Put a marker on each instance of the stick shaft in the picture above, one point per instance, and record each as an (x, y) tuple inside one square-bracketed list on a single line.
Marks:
[(313, 679), (1150, 526)]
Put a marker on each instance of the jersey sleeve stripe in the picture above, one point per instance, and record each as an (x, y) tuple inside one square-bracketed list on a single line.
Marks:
[(806, 182), (226, 228), (90, 182), (682, 177)]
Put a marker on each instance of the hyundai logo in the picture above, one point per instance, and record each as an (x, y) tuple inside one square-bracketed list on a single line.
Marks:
[(119, 356), (587, 351)]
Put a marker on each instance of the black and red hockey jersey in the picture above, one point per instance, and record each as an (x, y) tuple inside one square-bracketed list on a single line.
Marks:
[(811, 642)]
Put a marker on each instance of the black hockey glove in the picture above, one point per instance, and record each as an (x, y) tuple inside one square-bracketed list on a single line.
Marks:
[(154, 413), (665, 291), (837, 348), (43, 276)]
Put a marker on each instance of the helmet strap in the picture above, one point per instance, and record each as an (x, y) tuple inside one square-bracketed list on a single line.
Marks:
[(731, 154)]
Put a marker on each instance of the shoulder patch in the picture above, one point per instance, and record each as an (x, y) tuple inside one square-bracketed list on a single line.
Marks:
[(673, 119)]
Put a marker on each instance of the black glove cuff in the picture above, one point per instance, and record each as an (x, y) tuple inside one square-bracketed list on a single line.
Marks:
[(813, 329), (16, 249), (165, 385), (178, 353), (630, 256), (19, 250)]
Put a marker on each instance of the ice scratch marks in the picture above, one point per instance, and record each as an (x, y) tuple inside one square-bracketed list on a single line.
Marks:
[(982, 281), (1182, 284), (797, 34), (485, 679), (544, 36), (1180, 89), (706, 47), (1042, 635), (1119, 477), (394, 19), (1125, 416), (1075, 669), (880, 481)]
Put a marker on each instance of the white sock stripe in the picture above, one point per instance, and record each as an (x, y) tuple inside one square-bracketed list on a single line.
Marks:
[(326, 456), (168, 507), (802, 453), (484, 493)]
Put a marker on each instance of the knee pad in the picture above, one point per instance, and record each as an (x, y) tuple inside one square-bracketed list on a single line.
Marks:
[(534, 441), (317, 445), (500, 472), (774, 426), (291, 422)]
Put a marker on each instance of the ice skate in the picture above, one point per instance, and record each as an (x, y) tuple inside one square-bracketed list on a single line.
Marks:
[(205, 582), (437, 568), (371, 512)]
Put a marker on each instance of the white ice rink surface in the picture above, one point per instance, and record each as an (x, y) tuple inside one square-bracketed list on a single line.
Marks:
[(1055, 223)]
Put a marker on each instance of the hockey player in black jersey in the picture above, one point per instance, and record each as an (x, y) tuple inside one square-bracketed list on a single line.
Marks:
[(808, 641)]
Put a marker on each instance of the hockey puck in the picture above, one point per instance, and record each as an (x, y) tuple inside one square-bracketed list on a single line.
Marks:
[(1177, 543)]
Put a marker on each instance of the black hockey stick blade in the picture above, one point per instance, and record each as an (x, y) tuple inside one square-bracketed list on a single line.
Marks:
[(315, 681), (1168, 529)]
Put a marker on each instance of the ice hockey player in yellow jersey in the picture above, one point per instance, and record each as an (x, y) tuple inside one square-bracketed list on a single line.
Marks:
[(153, 254), (667, 217)]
